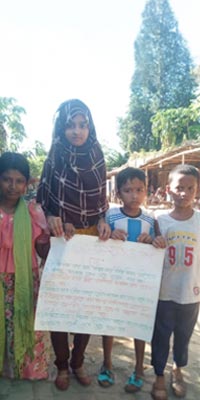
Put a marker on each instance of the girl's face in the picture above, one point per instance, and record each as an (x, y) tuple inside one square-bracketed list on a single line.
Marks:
[(77, 130), (12, 185)]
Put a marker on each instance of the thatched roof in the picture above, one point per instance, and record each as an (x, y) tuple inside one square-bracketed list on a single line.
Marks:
[(189, 153)]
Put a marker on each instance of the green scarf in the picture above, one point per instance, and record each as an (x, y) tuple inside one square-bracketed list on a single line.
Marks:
[(23, 295)]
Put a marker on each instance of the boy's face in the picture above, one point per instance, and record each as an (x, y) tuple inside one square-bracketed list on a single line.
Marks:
[(132, 193), (183, 189)]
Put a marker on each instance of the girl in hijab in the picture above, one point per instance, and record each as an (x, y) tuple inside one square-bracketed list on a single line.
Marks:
[(72, 192)]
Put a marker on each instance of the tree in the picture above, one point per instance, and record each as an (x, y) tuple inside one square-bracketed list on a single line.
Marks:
[(36, 158), (175, 125), (12, 131), (113, 158), (162, 78), (3, 138), (36, 164), (40, 150)]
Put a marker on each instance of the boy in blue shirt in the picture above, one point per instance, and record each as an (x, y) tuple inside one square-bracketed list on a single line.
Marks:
[(129, 222)]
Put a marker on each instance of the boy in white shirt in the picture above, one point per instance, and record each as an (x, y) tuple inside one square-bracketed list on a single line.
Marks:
[(178, 305)]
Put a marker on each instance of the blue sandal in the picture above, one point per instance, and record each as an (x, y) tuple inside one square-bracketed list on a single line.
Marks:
[(106, 378), (133, 384)]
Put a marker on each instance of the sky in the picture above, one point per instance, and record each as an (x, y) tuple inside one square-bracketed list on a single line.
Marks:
[(52, 51)]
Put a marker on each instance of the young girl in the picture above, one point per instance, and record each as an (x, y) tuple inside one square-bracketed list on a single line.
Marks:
[(22, 229), (72, 192)]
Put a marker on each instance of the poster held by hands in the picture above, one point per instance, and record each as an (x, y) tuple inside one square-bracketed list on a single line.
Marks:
[(103, 288)]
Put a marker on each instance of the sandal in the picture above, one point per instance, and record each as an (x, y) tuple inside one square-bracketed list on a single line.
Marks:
[(81, 376), (106, 377), (133, 384), (177, 383), (158, 392), (62, 380)]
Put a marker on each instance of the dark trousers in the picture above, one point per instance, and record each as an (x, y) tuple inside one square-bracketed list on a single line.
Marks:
[(61, 349), (179, 319)]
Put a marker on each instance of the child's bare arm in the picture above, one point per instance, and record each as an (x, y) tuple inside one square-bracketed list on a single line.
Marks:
[(157, 229), (103, 229), (119, 234), (42, 245), (159, 242), (55, 225), (69, 230), (145, 238)]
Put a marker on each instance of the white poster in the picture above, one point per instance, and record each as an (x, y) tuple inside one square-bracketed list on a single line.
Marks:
[(96, 287)]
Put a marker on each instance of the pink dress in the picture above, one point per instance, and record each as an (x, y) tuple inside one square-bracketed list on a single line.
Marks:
[(36, 368)]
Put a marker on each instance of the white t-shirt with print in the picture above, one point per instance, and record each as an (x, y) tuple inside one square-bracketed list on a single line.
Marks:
[(181, 272)]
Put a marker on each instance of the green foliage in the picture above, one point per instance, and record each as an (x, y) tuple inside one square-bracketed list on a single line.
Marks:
[(162, 78), (36, 165), (113, 158), (12, 131), (40, 150), (135, 129), (175, 125), (3, 139), (36, 158)]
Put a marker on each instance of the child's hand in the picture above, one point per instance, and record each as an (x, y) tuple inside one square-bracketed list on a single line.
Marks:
[(69, 230), (159, 242), (55, 225), (42, 245), (104, 230), (144, 238), (119, 234)]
